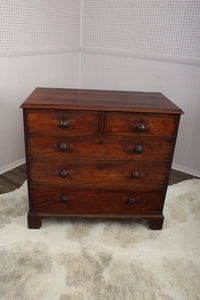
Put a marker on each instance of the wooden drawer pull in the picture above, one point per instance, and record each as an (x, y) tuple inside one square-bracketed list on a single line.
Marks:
[(63, 173), (135, 174), (63, 124), (140, 126), (62, 147), (138, 149), (63, 199), (131, 200)]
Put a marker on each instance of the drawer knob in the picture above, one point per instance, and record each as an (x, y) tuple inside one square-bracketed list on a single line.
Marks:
[(63, 124), (63, 173), (63, 199), (134, 174), (62, 147), (140, 126), (131, 200), (138, 149)]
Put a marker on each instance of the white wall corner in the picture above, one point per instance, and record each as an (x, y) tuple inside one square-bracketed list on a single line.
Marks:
[(186, 170), (12, 165)]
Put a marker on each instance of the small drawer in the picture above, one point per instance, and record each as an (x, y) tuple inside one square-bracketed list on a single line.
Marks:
[(95, 201), (140, 124), (84, 147), (73, 173), (65, 122)]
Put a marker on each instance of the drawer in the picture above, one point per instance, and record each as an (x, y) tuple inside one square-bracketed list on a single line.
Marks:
[(95, 201), (140, 124), (83, 147), (65, 122), (107, 174)]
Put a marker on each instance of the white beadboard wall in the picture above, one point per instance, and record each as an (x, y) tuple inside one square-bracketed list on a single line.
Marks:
[(39, 46), (178, 82), (164, 29), (105, 44), (35, 26), (18, 78), (147, 45)]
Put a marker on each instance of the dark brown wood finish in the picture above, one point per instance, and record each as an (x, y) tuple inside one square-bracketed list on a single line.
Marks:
[(83, 99), (68, 147), (13, 179), (64, 122), (140, 124), (178, 176), (96, 200), (98, 153), (98, 173)]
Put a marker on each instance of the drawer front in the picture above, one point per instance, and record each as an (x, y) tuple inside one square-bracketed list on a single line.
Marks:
[(82, 147), (107, 174), (140, 124), (65, 122), (95, 201)]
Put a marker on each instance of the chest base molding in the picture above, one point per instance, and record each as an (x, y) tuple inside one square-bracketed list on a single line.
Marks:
[(155, 222)]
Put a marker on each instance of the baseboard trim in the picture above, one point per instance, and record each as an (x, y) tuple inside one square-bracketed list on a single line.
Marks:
[(186, 170), (12, 165)]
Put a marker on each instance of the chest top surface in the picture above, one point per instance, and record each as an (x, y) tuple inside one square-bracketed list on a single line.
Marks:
[(105, 100)]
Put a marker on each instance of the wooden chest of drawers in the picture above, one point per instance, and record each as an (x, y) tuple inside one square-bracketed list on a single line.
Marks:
[(93, 153)]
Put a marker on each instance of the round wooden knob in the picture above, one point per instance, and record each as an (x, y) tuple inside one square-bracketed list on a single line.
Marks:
[(140, 126), (63, 124), (131, 200), (63, 173), (62, 147), (138, 149), (134, 174), (63, 199)]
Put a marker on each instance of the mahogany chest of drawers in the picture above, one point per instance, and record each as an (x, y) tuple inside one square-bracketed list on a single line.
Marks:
[(93, 153)]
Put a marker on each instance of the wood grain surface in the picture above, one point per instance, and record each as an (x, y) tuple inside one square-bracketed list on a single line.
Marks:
[(95, 147), (84, 99)]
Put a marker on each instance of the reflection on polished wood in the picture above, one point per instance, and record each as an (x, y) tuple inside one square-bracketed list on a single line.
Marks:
[(13, 179)]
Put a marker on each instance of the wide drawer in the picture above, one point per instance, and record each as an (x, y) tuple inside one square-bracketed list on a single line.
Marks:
[(140, 124), (95, 201), (84, 147), (107, 174), (64, 121)]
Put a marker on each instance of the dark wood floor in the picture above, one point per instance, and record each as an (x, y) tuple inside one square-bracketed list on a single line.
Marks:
[(13, 179)]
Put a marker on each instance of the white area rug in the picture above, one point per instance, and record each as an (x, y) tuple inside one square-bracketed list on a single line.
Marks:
[(102, 259)]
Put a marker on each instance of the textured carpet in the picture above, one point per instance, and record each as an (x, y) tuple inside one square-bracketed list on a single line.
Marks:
[(102, 259)]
